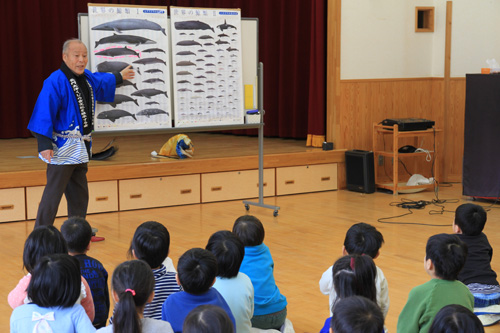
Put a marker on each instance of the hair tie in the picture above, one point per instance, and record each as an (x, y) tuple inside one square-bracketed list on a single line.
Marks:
[(132, 291), (352, 263)]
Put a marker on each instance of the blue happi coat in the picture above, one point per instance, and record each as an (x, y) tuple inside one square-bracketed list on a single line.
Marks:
[(56, 114)]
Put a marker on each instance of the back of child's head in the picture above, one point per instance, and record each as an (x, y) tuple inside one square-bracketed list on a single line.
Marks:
[(249, 230), (151, 243), (363, 238), (471, 219), (229, 252), (133, 283), (456, 318), (447, 253), (196, 270), (42, 241), (354, 275), (357, 314), (208, 318), (77, 232), (55, 281)]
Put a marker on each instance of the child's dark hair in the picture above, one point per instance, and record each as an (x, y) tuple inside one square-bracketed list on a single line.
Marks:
[(133, 282), (456, 318), (208, 318), (447, 253), (150, 243), (196, 270), (55, 281), (229, 252), (42, 241), (363, 238), (470, 218), (249, 230), (357, 314), (77, 232), (354, 275)]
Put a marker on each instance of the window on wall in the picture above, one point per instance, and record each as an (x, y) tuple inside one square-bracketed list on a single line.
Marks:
[(424, 19)]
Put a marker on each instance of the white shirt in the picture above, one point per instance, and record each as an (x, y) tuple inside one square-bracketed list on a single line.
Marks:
[(326, 287)]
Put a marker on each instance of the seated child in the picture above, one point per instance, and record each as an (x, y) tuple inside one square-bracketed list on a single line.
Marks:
[(54, 289), (151, 243), (208, 319), (353, 275), (42, 241), (234, 286), (269, 304), (477, 273), (444, 258), (132, 288), (361, 238), (77, 232), (455, 318), (196, 273), (357, 314)]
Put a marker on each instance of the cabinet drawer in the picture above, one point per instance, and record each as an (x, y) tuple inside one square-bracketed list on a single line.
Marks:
[(33, 197), (307, 178), (103, 197), (12, 205), (235, 185), (159, 192)]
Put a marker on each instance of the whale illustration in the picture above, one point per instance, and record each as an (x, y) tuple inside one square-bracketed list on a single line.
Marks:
[(129, 24), (115, 114), (192, 25), (225, 26), (124, 39)]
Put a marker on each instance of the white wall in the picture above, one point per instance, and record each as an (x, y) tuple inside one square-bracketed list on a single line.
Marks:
[(475, 35), (378, 38)]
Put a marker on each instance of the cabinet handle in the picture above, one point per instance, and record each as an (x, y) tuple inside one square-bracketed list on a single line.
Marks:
[(101, 199), (186, 191), (265, 184), (135, 196), (217, 188), (289, 182), (6, 207), (325, 179)]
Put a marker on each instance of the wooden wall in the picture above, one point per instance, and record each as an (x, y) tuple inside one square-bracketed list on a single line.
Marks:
[(364, 102)]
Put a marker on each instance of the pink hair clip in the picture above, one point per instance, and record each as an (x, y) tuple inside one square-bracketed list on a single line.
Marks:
[(352, 263), (132, 291)]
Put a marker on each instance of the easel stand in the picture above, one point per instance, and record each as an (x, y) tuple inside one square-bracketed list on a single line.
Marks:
[(260, 203)]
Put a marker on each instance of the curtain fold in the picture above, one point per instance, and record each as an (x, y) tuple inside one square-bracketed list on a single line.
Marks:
[(291, 46)]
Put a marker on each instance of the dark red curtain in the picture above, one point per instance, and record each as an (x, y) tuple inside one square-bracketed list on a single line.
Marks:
[(292, 46)]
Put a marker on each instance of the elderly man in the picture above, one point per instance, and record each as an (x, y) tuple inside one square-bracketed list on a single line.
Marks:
[(62, 122)]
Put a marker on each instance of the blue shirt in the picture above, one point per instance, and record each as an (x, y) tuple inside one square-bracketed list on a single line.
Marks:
[(259, 266), (178, 305)]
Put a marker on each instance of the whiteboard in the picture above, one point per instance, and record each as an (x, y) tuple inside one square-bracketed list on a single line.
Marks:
[(249, 32)]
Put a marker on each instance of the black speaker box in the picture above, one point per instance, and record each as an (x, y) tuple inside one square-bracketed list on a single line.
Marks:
[(360, 174)]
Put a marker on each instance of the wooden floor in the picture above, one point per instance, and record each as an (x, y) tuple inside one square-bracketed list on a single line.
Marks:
[(305, 239), (212, 153)]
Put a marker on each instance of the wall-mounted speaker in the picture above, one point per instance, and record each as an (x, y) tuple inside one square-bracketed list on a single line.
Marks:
[(360, 174)]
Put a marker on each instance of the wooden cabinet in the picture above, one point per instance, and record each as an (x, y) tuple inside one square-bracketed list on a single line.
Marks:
[(159, 191), (12, 205), (307, 178), (233, 185), (33, 197), (395, 136), (103, 197)]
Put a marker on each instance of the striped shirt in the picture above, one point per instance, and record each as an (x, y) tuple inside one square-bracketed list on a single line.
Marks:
[(165, 285)]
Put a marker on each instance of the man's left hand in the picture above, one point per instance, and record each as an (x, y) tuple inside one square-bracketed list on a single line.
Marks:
[(128, 73)]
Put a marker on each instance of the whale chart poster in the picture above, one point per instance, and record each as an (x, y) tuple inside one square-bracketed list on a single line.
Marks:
[(127, 35), (207, 66)]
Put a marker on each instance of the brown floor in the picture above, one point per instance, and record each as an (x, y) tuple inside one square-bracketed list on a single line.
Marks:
[(304, 239)]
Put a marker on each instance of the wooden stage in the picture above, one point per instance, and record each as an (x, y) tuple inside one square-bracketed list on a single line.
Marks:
[(20, 167)]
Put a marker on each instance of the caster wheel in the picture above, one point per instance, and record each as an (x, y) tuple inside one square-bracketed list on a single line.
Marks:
[(247, 206), (275, 213)]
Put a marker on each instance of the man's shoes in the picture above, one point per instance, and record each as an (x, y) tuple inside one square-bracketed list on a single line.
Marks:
[(97, 239)]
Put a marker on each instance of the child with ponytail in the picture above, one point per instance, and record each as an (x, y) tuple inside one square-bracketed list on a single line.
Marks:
[(353, 275), (132, 288)]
